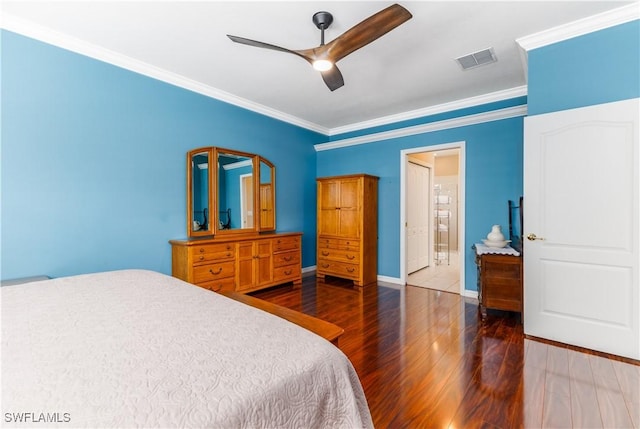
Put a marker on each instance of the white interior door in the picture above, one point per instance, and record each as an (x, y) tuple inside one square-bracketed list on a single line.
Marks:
[(418, 216), (581, 192)]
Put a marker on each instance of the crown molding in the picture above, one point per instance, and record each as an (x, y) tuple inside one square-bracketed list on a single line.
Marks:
[(61, 40), (491, 97), (611, 18), (494, 115)]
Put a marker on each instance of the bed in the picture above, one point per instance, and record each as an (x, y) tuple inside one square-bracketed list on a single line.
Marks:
[(136, 348)]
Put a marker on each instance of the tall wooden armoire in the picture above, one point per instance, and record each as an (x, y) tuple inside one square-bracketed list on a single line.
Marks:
[(348, 228)]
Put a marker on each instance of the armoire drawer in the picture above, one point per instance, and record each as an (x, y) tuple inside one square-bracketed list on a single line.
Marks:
[(338, 244), (210, 272), (286, 258), (340, 269), (340, 255)]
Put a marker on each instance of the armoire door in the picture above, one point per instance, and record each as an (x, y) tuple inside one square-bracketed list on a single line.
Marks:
[(339, 207)]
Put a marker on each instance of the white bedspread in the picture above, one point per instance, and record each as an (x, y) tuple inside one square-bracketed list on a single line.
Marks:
[(136, 348)]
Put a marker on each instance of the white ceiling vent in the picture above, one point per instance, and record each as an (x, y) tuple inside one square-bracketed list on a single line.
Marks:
[(485, 56)]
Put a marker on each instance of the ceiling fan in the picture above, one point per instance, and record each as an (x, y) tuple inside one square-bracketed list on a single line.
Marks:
[(324, 57)]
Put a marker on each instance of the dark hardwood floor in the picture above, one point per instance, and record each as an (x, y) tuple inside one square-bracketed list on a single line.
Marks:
[(426, 360)]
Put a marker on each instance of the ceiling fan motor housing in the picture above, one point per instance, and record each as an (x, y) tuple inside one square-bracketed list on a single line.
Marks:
[(322, 19)]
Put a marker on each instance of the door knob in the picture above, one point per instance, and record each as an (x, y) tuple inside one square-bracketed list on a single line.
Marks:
[(533, 237)]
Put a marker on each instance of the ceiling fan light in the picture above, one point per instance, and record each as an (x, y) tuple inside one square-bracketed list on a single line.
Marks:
[(322, 65)]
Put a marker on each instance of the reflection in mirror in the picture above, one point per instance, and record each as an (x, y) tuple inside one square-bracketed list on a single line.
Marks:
[(200, 192), (235, 192), (267, 215)]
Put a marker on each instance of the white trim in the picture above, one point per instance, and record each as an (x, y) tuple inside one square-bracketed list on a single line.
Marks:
[(461, 145), (494, 115), (470, 294), (576, 28), (309, 270), (491, 97), (581, 27), (392, 280), (32, 30)]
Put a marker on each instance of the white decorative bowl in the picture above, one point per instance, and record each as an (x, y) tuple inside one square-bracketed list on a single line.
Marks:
[(498, 244)]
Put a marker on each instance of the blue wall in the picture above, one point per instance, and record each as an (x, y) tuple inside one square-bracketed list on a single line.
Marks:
[(596, 68), (93, 156), (93, 162), (493, 176)]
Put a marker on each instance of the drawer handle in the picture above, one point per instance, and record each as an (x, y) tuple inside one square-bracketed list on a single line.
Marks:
[(288, 272), (278, 241), (201, 257), (350, 257), (349, 269), (287, 258), (202, 250), (217, 272), (228, 255), (228, 247), (325, 265), (325, 253)]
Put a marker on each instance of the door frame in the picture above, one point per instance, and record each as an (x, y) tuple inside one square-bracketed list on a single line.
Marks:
[(404, 154)]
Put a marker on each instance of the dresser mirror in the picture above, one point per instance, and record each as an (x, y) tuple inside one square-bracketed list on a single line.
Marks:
[(229, 192), (199, 195)]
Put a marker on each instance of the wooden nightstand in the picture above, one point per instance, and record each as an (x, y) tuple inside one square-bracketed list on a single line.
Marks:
[(499, 281)]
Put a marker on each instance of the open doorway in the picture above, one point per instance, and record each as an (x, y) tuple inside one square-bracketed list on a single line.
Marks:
[(441, 234)]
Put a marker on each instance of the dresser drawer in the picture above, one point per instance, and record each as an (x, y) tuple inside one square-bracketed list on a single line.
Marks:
[(210, 272), (287, 272), (338, 244), (340, 255), (286, 258), (340, 269), (286, 243), (222, 285), (213, 252)]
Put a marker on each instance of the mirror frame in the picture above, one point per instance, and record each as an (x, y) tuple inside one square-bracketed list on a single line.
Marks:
[(272, 226), (213, 227), (190, 215)]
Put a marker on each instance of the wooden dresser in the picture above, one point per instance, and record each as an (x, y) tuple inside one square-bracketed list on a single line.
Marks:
[(499, 282), (347, 225), (241, 263)]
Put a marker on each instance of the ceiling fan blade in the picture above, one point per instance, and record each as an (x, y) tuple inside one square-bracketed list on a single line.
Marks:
[(362, 34), (333, 78), (257, 44)]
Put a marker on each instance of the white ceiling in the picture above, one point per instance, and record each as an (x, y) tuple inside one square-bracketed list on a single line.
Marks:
[(412, 68)]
